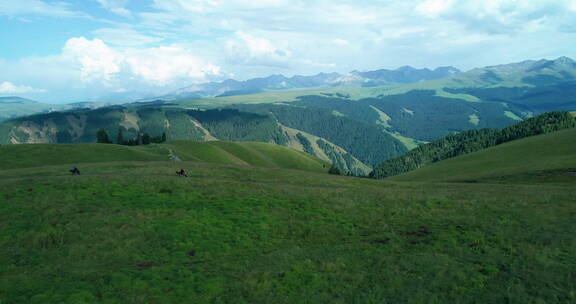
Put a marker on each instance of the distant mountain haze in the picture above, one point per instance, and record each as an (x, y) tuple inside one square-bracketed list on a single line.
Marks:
[(380, 77)]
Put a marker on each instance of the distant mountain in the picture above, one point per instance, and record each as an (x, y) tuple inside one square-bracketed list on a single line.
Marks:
[(381, 77), (13, 106), (529, 72), (405, 74), (538, 86)]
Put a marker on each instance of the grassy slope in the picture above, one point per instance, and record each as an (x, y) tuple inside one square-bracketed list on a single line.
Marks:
[(244, 153), (132, 232), (517, 159), (35, 155)]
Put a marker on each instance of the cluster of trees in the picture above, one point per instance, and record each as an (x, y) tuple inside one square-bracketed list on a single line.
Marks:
[(364, 141), (141, 139), (234, 125), (471, 141), (305, 143)]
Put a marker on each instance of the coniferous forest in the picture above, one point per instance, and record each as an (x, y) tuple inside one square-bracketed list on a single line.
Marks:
[(471, 141)]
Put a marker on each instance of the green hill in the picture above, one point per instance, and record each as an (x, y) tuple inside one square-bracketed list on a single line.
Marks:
[(547, 157), (471, 141), (245, 153), (132, 232)]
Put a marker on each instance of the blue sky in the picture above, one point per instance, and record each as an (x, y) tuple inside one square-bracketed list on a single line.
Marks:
[(63, 51)]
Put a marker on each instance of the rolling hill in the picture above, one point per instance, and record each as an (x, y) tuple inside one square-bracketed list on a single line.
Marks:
[(336, 145), (129, 231), (471, 141), (537, 159), (241, 153)]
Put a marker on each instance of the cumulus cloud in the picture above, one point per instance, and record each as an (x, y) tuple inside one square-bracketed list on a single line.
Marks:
[(249, 49), (7, 87), (162, 65), (96, 61), (99, 63)]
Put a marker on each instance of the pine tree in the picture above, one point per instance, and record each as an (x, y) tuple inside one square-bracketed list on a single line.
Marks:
[(146, 139), (334, 170), (102, 137), (120, 137)]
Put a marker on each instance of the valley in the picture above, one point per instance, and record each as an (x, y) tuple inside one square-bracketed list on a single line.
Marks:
[(442, 190)]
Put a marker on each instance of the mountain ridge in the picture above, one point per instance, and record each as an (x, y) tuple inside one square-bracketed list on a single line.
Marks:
[(404, 74)]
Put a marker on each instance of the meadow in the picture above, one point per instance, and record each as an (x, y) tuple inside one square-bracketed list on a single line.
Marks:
[(132, 232)]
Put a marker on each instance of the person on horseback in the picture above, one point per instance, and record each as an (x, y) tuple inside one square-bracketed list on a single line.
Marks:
[(181, 173), (75, 171)]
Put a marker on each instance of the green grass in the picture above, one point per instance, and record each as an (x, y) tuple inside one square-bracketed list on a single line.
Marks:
[(35, 155), (132, 232), (240, 153), (247, 153), (548, 157)]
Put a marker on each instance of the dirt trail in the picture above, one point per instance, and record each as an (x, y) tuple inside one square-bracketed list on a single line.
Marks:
[(173, 156)]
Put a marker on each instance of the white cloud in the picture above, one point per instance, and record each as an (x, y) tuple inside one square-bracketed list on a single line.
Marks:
[(7, 87), (341, 42), (195, 6), (37, 8), (97, 62), (122, 36), (116, 6), (160, 66), (433, 8), (249, 49)]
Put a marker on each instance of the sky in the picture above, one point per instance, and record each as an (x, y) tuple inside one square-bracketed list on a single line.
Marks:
[(80, 50)]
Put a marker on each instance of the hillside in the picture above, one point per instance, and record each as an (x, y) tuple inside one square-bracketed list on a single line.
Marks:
[(337, 145), (132, 232), (471, 141), (245, 153), (536, 159)]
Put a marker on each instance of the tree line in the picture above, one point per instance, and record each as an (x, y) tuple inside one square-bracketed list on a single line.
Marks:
[(472, 141), (140, 139)]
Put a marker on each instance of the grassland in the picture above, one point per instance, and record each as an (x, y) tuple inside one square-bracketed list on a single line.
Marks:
[(547, 157), (133, 232), (240, 153)]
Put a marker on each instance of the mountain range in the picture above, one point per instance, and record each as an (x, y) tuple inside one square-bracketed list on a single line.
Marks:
[(355, 121), (230, 87)]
